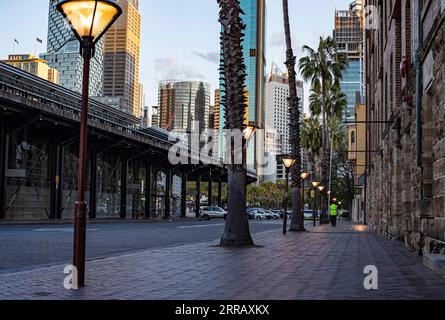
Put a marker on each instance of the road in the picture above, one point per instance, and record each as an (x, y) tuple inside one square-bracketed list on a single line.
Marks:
[(30, 246)]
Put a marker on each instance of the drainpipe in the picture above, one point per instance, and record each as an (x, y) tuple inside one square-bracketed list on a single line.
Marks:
[(419, 134), (419, 86)]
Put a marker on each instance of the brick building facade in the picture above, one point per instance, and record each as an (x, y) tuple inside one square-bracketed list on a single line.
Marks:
[(405, 187)]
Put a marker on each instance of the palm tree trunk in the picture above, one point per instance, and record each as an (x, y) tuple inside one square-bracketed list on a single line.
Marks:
[(297, 223), (233, 74), (236, 233), (325, 151)]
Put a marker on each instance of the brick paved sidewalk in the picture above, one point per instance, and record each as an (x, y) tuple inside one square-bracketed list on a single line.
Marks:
[(319, 264)]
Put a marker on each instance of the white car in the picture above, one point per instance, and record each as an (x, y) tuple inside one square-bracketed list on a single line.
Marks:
[(208, 213), (257, 214), (274, 215)]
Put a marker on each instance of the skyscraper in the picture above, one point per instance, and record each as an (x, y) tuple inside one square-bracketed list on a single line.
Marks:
[(277, 110), (181, 103), (216, 111), (277, 119), (63, 54), (121, 58), (254, 58), (349, 35)]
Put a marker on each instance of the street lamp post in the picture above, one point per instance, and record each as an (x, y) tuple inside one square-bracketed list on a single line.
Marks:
[(304, 176), (248, 134), (89, 20), (288, 162), (315, 184), (321, 189)]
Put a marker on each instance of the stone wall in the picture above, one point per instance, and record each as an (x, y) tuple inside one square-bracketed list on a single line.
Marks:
[(405, 201)]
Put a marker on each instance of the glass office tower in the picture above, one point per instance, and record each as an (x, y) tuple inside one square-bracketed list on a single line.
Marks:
[(349, 35), (254, 58), (63, 55)]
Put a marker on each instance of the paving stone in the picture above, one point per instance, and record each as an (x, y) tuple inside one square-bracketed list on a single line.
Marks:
[(322, 263)]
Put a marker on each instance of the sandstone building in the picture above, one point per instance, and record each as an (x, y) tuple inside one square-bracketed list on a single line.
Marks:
[(405, 189)]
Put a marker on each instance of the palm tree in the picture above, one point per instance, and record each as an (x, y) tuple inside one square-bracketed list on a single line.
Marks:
[(324, 68), (335, 103), (233, 75), (297, 223), (311, 139)]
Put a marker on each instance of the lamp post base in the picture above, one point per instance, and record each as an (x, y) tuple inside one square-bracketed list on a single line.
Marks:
[(79, 241)]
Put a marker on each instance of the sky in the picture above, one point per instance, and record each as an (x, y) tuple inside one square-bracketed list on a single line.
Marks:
[(179, 38)]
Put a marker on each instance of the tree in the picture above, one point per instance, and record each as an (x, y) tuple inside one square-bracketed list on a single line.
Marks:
[(324, 68), (233, 75), (297, 223), (311, 139)]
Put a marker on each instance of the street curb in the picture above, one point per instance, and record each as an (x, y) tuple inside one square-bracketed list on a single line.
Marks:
[(104, 221), (436, 263)]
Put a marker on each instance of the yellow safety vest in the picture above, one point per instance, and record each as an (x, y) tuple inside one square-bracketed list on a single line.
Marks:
[(334, 210)]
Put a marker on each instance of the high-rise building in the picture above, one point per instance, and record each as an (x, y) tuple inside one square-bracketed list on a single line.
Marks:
[(254, 58), (277, 119), (181, 103), (349, 34), (121, 58), (277, 109), (216, 111), (33, 65), (154, 116), (141, 99), (63, 54)]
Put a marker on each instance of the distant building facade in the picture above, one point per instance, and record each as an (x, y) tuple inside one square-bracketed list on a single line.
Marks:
[(63, 54), (121, 58), (182, 103), (33, 65), (277, 119), (349, 34)]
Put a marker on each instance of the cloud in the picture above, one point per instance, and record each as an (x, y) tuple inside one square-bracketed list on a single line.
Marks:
[(277, 40), (213, 57), (170, 69)]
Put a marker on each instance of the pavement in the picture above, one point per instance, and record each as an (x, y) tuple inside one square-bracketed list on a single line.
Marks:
[(322, 263), (25, 247)]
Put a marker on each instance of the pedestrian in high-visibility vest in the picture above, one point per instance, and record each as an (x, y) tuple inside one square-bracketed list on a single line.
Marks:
[(334, 212)]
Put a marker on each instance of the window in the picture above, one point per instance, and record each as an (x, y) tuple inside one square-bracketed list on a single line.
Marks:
[(352, 137)]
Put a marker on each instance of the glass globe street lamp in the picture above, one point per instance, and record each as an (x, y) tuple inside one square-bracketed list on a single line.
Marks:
[(288, 162), (89, 20), (315, 184)]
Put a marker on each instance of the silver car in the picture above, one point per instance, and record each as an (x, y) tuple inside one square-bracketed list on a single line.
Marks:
[(208, 213)]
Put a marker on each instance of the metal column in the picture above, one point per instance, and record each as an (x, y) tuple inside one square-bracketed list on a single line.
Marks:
[(148, 188), (124, 174), (3, 157), (220, 193), (184, 194), (198, 196), (93, 185), (168, 191), (56, 197), (210, 194)]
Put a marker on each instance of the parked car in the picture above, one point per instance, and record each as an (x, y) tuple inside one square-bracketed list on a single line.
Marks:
[(208, 213), (279, 212), (274, 215), (258, 214), (309, 214)]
